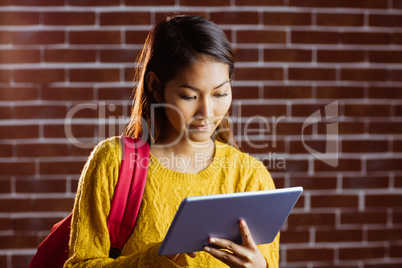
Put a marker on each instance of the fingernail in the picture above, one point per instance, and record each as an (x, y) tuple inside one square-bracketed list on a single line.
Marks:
[(207, 249), (242, 223), (212, 240)]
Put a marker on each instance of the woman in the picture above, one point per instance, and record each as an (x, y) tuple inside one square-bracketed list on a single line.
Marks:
[(181, 106)]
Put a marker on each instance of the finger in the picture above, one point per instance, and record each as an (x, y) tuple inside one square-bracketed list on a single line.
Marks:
[(248, 240), (192, 254), (224, 256), (237, 250)]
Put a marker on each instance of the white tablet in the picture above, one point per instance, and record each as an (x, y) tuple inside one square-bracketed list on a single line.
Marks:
[(201, 217)]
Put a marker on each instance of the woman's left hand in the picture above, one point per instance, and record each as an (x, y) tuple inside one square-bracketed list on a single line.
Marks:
[(245, 255)]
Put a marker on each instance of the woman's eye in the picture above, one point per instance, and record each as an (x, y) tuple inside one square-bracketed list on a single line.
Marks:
[(188, 97), (221, 95)]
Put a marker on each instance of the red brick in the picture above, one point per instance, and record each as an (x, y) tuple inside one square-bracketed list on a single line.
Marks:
[(314, 37), (385, 92), (343, 165), (5, 37), (78, 131), (364, 74), (91, 3), (335, 92), (300, 147), (259, 2), (366, 38), (125, 18), (15, 205), (345, 128), (314, 3), (312, 74), (70, 55), (65, 94), (19, 18), (5, 224), (54, 168), (397, 4), (367, 110), (115, 93), (149, 2), (390, 56), (17, 241), (42, 150), (19, 132), (365, 182), (287, 128), (397, 37), (136, 37), (5, 112), (384, 164), (21, 260), (19, 56), (397, 217), (38, 37), (361, 253), (397, 146), (17, 168), (363, 4), (364, 146), (244, 92), (334, 201), (336, 236), (305, 109), (34, 224), (94, 75), (40, 186), (396, 75), (74, 185), (340, 56), (388, 234), (261, 36), (261, 73), (39, 75), (204, 3), (262, 110), (18, 94), (309, 254), (291, 165), (99, 37), (118, 55), (311, 219), (287, 92), (340, 19), (37, 3), (5, 76), (290, 237), (313, 183), (247, 55), (53, 204), (383, 200), (233, 17), (395, 251), (385, 128), (359, 218), (5, 185), (68, 18), (287, 55), (388, 20), (129, 74), (6, 150), (41, 111), (287, 18)]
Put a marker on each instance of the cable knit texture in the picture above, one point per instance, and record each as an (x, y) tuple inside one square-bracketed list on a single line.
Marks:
[(230, 171)]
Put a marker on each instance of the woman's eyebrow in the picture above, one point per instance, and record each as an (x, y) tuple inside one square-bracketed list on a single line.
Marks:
[(197, 89)]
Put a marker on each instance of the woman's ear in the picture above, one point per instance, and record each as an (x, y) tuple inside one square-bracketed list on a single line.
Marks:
[(154, 85)]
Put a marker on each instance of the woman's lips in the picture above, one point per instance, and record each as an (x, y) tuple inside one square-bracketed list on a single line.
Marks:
[(200, 127)]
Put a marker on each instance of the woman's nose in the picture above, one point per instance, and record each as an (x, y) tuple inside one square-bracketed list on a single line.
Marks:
[(205, 108)]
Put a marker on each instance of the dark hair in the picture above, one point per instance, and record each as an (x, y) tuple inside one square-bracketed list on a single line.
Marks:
[(174, 43)]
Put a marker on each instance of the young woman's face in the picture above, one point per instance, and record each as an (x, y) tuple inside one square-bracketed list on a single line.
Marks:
[(200, 95)]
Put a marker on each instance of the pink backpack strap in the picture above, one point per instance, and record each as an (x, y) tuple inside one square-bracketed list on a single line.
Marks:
[(128, 193)]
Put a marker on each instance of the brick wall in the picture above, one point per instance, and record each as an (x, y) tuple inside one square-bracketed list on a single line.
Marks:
[(74, 59)]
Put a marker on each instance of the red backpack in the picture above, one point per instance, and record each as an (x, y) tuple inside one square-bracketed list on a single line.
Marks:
[(53, 251)]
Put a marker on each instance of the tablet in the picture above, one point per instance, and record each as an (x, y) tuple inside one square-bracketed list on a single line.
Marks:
[(201, 217)]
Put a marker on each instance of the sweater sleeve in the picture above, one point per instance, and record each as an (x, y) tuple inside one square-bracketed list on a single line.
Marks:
[(89, 238), (260, 179)]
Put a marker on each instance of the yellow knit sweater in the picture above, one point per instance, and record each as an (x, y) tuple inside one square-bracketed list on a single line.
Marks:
[(230, 171)]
